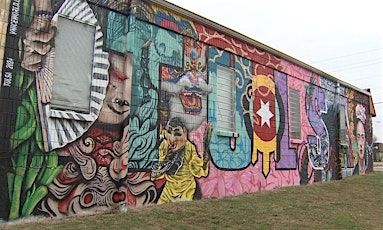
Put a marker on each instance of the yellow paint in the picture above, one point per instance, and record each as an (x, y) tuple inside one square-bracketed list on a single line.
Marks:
[(265, 147), (262, 80)]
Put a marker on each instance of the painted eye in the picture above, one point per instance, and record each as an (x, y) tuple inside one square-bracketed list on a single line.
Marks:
[(177, 134)]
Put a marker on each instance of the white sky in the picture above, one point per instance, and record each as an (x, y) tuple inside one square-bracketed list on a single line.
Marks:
[(343, 38)]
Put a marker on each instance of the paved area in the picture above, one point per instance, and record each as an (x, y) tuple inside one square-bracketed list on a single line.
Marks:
[(378, 166)]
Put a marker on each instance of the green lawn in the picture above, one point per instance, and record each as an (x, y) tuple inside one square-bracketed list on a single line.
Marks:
[(352, 203)]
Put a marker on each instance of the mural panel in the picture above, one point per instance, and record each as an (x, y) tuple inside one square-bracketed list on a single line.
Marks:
[(286, 155), (151, 134), (318, 145), (360, 155), (225, 154), (184, 150)]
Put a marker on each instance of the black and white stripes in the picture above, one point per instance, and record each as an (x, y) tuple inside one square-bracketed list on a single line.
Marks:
[(62, 127)]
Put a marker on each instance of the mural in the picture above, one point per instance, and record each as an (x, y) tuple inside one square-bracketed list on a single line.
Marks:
[(229, 152), (178, 163), (360, 154), (151, 134), (318, 146)]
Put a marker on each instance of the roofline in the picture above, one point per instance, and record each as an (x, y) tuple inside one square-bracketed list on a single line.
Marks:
[(223, 29)]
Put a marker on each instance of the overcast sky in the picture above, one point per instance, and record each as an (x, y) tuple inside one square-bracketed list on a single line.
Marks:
[(343, 38)]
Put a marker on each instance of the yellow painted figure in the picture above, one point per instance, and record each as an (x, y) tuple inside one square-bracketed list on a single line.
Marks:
[(179, 163)]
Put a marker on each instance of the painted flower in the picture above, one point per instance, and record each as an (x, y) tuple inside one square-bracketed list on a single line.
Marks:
[(213, 185)]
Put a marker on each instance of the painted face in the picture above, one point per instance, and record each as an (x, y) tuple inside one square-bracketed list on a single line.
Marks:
[(189, 99), (176, 137), (116, 107), (191, 95), (361, 139)]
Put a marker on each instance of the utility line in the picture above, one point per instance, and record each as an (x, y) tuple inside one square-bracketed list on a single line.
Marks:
[(358, 63), (356, 67), (348, 55)]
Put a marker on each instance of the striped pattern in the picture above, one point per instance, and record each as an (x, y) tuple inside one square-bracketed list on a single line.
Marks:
[(63, 127)]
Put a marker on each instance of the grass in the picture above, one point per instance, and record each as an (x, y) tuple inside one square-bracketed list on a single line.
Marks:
[(352, 203)]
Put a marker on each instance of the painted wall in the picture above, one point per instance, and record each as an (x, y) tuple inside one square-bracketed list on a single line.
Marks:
[(154, 97)]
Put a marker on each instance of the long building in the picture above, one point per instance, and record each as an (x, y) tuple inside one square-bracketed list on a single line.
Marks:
[(107, 104)]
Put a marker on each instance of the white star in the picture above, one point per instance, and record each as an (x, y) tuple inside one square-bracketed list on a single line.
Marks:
[(264, 113)]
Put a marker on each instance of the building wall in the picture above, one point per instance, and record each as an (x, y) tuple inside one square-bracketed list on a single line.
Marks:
[(155, 131)]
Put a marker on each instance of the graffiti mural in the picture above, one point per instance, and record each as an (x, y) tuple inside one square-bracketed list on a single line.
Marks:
[(183, 154), (187, 93), (229, 152), (179, 163), (172, 109), (318, 145), (286, 154), (264, 137), (360, 145)]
